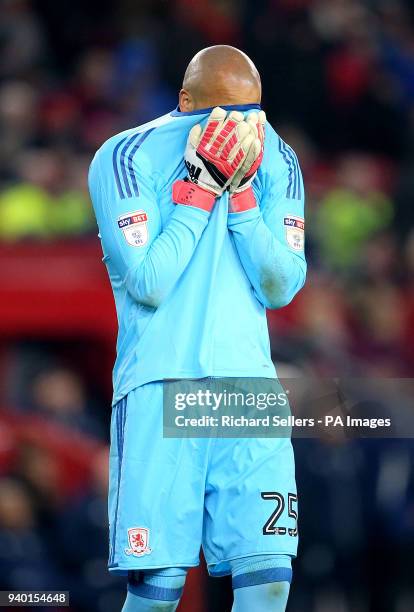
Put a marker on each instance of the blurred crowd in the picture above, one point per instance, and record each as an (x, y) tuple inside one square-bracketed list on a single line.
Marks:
[(338, 81), (53, 482)]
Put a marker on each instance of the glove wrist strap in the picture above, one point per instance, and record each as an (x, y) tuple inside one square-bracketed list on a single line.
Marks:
[(190, 194), (242, 200)]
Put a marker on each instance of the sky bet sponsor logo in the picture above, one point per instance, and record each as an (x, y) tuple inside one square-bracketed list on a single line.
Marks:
[(295, 222), (295, 232), (135, 218)]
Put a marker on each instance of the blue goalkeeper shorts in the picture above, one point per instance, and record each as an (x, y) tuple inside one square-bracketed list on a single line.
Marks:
[(167, 497)]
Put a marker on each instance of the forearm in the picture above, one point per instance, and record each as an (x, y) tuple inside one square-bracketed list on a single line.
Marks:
[(275, 272), (168, 256)]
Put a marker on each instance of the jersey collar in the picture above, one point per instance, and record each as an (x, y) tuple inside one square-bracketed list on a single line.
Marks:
[(203, 111)]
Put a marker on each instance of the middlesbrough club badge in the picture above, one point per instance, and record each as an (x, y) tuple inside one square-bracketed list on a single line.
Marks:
[(138, 539)]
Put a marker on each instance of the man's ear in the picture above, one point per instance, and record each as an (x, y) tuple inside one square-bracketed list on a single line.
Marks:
[(186, 101)]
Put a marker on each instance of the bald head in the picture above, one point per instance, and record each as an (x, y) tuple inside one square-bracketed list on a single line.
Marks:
[(217, 76)]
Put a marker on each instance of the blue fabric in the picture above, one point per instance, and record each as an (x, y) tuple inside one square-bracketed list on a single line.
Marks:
[(268, 597), (161, 585), (136, 603), (185, 492), (261, 583), (191, 288), (120, 420), (150, 591), (204, 111), (275, 574), (244, 565), (165, 584)]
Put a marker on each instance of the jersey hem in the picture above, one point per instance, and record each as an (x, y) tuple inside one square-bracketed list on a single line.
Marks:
[(193, 374)]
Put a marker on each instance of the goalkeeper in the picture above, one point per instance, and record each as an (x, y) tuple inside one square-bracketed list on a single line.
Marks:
[(200, 214)]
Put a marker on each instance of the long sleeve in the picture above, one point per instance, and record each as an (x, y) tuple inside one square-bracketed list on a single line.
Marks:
[(270, 239), (148, 258)]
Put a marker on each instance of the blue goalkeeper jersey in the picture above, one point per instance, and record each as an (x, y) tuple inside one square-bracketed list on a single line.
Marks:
[(191, 288)]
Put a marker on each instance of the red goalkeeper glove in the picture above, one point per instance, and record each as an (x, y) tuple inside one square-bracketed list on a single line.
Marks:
[(213, 156), (241, 192)]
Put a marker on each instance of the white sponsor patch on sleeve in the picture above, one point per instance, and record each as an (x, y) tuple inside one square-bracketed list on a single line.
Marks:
[(295, 232), (134, 227)]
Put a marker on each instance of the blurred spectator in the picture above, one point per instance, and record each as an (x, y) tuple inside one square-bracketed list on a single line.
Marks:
[(18, 122), (22, 38), (60, 396), (24, 559), (352, 212), (47, 200), (83, 544)]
